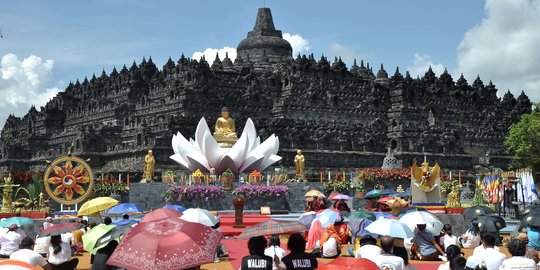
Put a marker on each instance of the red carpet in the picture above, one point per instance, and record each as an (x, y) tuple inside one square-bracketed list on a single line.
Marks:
[(249, 220)]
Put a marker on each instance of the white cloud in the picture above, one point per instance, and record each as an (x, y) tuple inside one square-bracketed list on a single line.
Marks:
[(504, 47), (24, 83), (421, 64), (210, 54), (298, 43)]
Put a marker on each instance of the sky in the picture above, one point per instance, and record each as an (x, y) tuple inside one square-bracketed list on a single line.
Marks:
[(47, 44)]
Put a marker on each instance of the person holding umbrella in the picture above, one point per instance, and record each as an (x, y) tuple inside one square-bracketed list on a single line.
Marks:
[(11, 243), (471, 238), (427, 246), (274, 249)]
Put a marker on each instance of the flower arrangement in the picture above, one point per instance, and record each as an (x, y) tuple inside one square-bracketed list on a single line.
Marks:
[(337, 186), (170, 174), (378, 174), (25, 177), (446, 186), (106, 188), (227, 172), (360, 187), (244, 192), (195, 192)]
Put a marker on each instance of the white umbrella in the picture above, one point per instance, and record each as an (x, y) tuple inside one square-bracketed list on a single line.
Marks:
[(327, 217), (390, 227), (433, 224), (201, 216)]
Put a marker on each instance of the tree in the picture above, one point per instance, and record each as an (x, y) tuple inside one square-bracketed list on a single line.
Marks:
[(523, 141)]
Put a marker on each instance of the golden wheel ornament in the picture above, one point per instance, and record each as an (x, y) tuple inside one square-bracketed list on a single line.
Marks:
[(68, 180)]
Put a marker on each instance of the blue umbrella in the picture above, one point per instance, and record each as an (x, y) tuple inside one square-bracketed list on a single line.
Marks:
[(306, 218), (125, 208), (406, 193), (387, 192), (176, 207), (327, 217), (124, 222), (358, 227), (19, 221), (373, 194), (390, 227), (381, 215)]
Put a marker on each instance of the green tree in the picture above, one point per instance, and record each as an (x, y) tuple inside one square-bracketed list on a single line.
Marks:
[(523, 141)]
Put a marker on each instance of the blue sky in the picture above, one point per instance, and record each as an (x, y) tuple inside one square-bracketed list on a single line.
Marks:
[(46, 44)]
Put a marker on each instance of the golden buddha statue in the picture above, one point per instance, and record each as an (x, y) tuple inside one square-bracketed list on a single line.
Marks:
[(299, 163), (149, 164), (225, 132)]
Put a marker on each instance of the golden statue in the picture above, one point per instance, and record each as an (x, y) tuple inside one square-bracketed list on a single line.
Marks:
[(149, 164), (7, 193), (225, 132), (424, 178), (453, 198), (299, 163)]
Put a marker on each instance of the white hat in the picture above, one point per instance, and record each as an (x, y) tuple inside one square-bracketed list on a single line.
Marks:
[(48, 218)]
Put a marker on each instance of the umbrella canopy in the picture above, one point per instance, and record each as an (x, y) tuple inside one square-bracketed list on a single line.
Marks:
[(313, 193), (433, 224), (159, 214), (19, 221), (327, 217), (358, 227), (166, 244), (475, 211), (306, 218), (178, 208), (338, 196), (410, 209), (114, 234), (96, 205), (15, 265), (379, 215), (390, 227), (89, 238), (373, 194), (60, 228), (122, 222), (532, 219), (331, 267), (201, 216), (531, 209), (354, 263), (385, 199), (387, 192), (272, 227), (406, 193), (362, 214), (125, 208), (490, 223)]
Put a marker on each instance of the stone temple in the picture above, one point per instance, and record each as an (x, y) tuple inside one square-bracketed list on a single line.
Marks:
[(341, 117)]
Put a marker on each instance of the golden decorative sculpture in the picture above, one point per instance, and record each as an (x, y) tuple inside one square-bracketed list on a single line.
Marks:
[(424, 178), (453, 198), (299, 163), (7, 193), (225, 131), (68, 180), (149, 164)]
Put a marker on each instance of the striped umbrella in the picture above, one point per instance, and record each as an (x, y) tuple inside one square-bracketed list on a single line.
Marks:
[(272, 227)]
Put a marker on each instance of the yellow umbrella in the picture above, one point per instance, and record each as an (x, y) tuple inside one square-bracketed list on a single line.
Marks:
[(96, 205), (314, 192)]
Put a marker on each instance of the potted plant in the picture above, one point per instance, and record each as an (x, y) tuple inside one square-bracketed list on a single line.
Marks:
[(446, 188), (169, 177), (227, 177), (360, 190)]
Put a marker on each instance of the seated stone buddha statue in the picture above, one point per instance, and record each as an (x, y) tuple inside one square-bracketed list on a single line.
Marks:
[(225, 131)]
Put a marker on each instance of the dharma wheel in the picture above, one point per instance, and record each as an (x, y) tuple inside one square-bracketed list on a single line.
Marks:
[(68, 180)]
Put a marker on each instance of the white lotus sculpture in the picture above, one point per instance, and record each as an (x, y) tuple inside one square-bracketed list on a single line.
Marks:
[(204, 153)]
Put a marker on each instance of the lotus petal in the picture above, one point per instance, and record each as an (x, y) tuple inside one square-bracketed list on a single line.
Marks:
[(178, 158), (212, 150), (225, 163), (238, 151), (250, 160), (201, 164), (202, 128)]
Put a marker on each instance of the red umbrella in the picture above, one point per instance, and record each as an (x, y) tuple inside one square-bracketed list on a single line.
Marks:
[(60, 228), (331, 267), (161, 213), (166, 244), (15, 265), (354, 263)]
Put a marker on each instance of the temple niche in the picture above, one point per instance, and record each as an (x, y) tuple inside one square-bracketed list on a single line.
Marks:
[(341, 117)]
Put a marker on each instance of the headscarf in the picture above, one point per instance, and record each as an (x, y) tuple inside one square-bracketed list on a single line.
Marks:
[(329, 231), (314, 234)]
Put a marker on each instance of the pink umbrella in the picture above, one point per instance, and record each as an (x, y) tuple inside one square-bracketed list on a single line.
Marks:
[(339, 197), (166, 244), (161, 213)]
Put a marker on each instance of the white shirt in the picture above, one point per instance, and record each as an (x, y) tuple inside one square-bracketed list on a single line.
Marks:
[(444, 266), (449, 240), (492, 257), (368, 251), (10, 243), (388, 260), (42, 244), (63, 256), (330, 248), (67, 238), (47, 224), (472, 241), (518, 263), (28, 256), (274, 250), (481, 248)]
